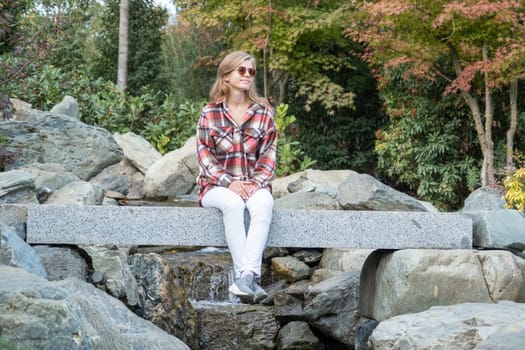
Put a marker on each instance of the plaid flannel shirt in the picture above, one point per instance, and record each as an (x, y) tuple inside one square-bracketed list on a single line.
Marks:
[(227, 151)]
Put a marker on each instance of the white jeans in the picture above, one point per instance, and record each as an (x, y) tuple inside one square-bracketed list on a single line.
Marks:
[(246, 249)]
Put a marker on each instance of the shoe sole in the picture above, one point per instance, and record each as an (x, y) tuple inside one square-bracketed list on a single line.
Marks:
[(236, 291)]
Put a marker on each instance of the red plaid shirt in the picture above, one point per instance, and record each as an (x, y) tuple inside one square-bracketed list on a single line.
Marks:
[(227, 151)]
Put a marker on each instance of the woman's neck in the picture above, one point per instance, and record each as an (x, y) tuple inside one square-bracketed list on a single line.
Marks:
[(237, 99)]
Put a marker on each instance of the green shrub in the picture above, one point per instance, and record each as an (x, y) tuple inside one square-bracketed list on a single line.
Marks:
[(290, 158), (173, 125)]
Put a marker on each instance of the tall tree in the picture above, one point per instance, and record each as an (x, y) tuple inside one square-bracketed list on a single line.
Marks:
[(483, 41), (145, 30), (122, 66), (295, 41)]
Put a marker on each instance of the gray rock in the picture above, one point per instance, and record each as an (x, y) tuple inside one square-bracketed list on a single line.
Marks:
[(363, 192), (15, 252), (140, 153), (321, 181), (408, 281), (289, 303), (113, 263), (502, 229), (297, 335), (62, 262), (14, 216), (331, 306), (174, 174), (122, 178), (280, 184), (49, 178), (289, 268), (17, 186), (236, 326), (116, 325), (77, 192), (82, 149), (68, 106), (71, 314), (504, 275), (461, 326), (306, 200), (344, 259), (484, 198), (161, 301)]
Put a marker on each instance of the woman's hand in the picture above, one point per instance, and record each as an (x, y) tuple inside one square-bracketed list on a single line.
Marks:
[(245, 189)]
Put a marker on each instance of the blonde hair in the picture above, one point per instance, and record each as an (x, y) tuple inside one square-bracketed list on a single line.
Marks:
[(220, 89)]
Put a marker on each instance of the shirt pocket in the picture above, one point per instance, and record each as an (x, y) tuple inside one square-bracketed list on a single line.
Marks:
[(252, 139), (223, 138)]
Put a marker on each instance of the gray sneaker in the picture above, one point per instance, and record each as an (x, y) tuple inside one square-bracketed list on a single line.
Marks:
[(243, 288), (260, 293)]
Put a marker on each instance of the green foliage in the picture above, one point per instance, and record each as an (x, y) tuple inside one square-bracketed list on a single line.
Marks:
[(427, 147), (515, 190), (146, 21), (188, 55), (344, 140), (302, 40), (173, 125), (290, 158)]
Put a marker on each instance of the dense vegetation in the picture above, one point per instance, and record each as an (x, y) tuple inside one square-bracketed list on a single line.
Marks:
[(423, 95)]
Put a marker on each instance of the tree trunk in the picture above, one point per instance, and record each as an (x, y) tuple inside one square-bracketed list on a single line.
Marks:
[(122, 73), (489, 118), (513, 95), (265, 52), (478, 124)]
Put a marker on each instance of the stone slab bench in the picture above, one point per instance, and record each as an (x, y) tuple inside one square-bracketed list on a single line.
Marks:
[(190, 226)]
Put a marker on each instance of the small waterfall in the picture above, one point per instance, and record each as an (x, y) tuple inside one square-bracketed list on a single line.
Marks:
[(204, 274)]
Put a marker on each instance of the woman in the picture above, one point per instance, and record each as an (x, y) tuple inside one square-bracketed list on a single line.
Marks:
[(236, 150)]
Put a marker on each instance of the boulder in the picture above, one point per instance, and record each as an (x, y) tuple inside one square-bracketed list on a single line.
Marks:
[(81, 149), (345, 260), (17, 186), (140, 153), (174, 174), (331, 307), (297, 335), (363, 192), (498, 228), (112, 263), (71, 314), (49, 178), (68, 107), (484, 198), (289, 268), (408, 281), (62, 262), (15, 252), (15, 217), (163, 302), (236, 326), (122, 178), (77, 192), (306, 200), (476, 326)]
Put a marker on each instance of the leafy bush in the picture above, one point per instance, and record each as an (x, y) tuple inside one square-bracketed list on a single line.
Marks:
[(428, 146), (173, 125), (290, 158), (515, 185), (515, 190)]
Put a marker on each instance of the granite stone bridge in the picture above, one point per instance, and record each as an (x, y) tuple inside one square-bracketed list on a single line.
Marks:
[(382, 231)]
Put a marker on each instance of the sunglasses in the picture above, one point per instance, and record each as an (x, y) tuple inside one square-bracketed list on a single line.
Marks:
[(242, 71)]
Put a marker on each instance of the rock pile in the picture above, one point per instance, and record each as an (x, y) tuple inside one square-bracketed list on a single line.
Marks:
[(94, 297)]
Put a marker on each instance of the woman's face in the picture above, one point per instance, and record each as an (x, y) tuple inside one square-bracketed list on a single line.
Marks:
[(242, 77)]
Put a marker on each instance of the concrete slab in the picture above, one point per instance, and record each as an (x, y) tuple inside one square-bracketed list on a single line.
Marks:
[(71, 224)]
